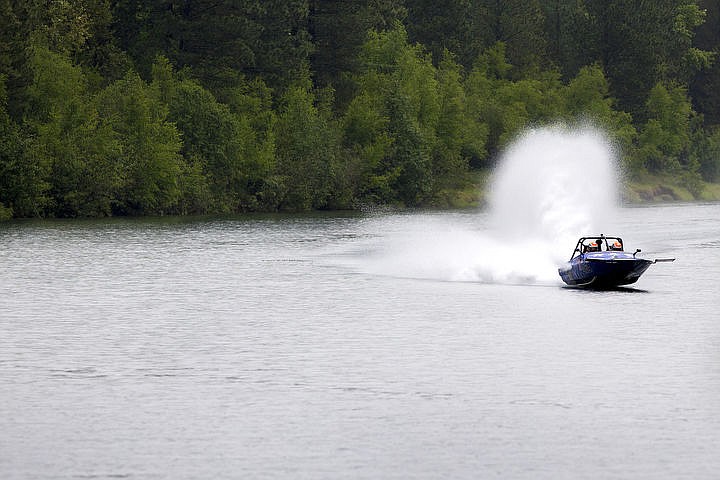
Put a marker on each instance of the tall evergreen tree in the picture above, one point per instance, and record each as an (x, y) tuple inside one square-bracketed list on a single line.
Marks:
[(9, 24), (338, 29), (520, 25), (705, 86), (218, 39), (468, 27), (453, 26), (572, 35), (643, 42)]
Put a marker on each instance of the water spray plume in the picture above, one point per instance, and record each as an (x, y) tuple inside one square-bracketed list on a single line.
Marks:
[(555, 183), (551, 186)]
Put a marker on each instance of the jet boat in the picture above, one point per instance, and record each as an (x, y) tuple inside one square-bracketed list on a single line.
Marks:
[(602, 262)]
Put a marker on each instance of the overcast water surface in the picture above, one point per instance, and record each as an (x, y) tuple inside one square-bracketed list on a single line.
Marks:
[(290, 347)]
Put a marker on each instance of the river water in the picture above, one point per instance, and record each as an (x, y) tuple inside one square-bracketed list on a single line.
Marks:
[(352, 346)]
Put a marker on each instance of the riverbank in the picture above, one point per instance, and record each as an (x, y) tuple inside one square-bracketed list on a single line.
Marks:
[(641, 190), (473, 192), (665, 188), (5, 213)]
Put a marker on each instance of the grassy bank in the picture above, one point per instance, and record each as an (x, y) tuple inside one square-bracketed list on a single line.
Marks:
[(641, 190), (470, 193), (665, 188)]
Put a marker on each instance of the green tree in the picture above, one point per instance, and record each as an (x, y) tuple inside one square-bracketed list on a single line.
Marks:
[(468, 27), (22, 181), (9, 25), (665, 136), (213, 38), (587, 98), (400, 82), (706, 150), (573, 38), (338, 29), (286, 43), (220, 40), (507, 106), (102, 57), (367, 143), (705, 86), (520, 25), (150, 147), (229, 160), (643, 43), (460, 137), (253, 102), (307, 150), (384, 14), (78, 154), (454, 26)]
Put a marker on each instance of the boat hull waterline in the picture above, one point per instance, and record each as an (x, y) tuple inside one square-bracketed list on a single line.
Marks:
[(604, 269)]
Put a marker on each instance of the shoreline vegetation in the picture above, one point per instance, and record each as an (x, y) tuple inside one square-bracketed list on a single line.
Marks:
[(119, 108), (647, 191), (650, 189)]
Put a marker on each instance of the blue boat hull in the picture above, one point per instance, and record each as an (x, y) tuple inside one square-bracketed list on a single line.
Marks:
[(603, 270)]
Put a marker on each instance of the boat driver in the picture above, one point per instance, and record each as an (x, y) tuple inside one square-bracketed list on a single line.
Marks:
[(616, 246), (594, 246)]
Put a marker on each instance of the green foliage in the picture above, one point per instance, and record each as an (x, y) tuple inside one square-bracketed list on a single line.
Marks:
[(5, 213), (706, 152), (572, 34), (587, 98), (150, 163), (519, 24), (218, 39), (277, 105), (688, 16), (451, 25), (9, 26), (705, 85), (80, 153), (21, 185), (367, 143), (307, 151), (460, 138), (507, 106), (338, 30), (469, 27), (227, 161), (398, 88), (666, 134), (642, 43)]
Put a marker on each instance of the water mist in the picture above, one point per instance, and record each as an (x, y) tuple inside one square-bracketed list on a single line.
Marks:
[(551, 186)]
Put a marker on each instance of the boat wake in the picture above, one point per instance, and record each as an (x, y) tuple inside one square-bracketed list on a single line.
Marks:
[(551, 185)]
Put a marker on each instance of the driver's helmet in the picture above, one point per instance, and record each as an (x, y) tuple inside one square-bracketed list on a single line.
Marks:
[(617, 245)]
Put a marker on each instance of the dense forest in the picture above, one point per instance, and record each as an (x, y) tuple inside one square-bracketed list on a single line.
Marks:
[(133, 107)]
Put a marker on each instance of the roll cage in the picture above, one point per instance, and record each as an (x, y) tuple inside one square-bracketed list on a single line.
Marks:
[(584, 242)]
